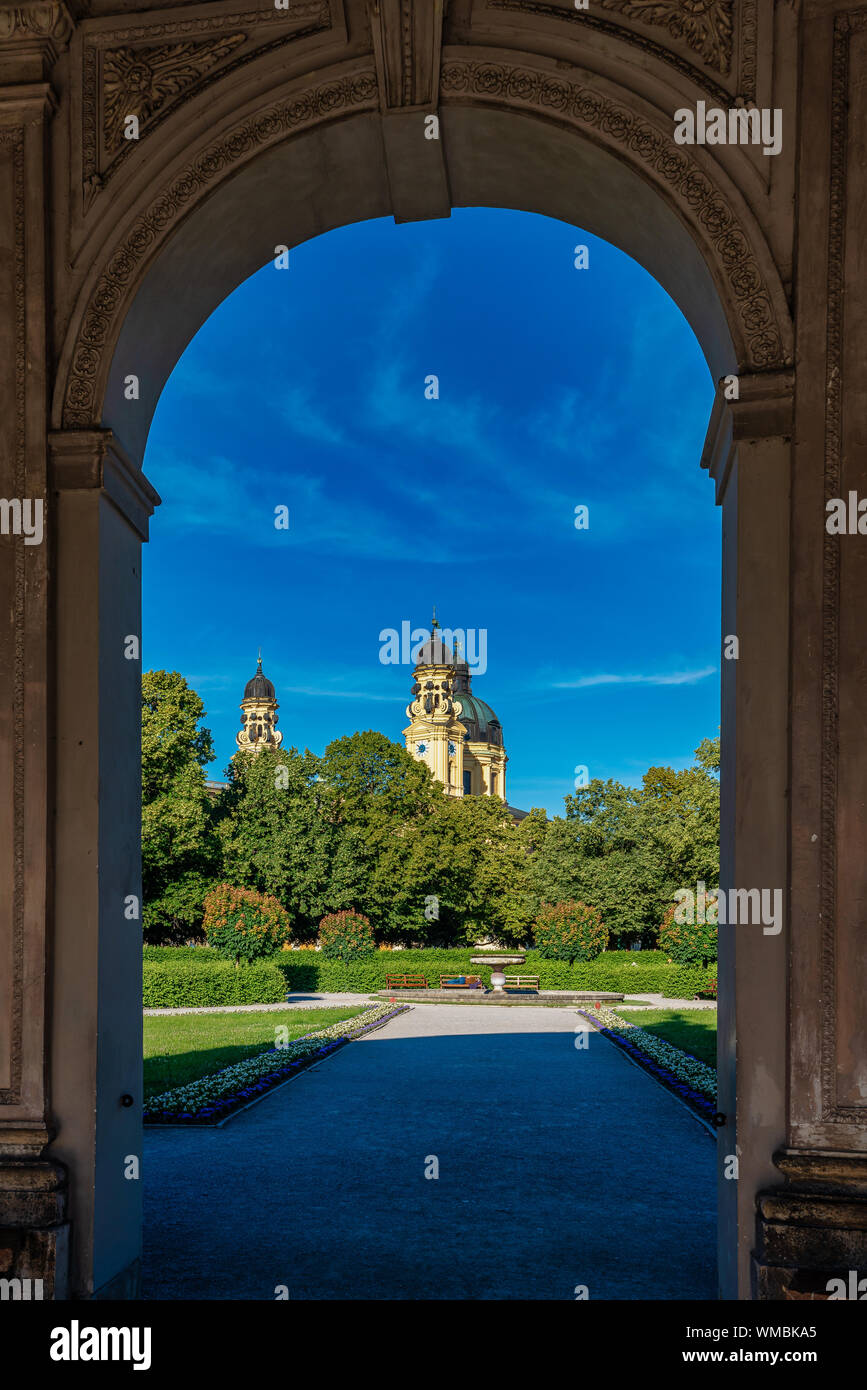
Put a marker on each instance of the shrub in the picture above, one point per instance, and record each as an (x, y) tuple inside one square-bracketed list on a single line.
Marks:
[(243, 924), (182, 984), (569, 931), (346, 936), (687, 943)]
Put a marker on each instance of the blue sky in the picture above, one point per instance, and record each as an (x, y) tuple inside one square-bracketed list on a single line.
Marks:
[(558, 388)]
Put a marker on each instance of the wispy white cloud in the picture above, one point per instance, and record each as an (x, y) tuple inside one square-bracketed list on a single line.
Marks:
[(214, 495), (306, 421), (662, 678), (326, 693)]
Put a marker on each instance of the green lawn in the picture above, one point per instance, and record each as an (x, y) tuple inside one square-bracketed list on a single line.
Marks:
[(183, 1047), (694, 1030)]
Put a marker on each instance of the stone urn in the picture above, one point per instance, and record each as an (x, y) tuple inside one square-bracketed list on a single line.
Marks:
[(498, 960)]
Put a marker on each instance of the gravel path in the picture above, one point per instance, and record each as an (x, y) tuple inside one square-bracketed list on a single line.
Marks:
[(558, 1167)]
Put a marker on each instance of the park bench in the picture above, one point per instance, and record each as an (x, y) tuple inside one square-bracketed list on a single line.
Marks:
[(460, 981), (522, 982), (405, 982)]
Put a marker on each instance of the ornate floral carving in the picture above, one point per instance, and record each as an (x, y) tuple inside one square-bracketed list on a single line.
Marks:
[(635, 38), (526, 87), (749, 32), (704, 25), (114, 59), (512, 85), (138, 81), (358, 91)]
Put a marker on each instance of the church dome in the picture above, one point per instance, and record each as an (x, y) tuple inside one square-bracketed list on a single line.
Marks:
[(259, 688), (435, 653), (482, 724)]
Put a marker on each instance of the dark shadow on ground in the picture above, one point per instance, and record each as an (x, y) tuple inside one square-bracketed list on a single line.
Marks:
[(558, 1168)]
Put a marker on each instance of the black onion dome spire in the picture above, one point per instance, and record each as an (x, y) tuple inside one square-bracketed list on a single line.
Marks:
[(434, 652), (259, 688)]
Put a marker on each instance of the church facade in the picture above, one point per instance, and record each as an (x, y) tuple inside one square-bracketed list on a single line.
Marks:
[(450, 729)]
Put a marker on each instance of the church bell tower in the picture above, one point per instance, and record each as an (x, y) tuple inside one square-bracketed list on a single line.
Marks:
[(258, 715)]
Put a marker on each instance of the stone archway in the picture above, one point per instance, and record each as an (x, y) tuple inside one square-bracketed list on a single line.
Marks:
[(264, 127)]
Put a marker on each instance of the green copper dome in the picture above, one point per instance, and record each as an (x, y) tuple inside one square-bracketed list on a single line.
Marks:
[(482, 724)]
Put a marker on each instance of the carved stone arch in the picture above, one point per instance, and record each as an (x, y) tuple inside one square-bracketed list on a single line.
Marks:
[(558, 121), (695, 185), (309, 118)]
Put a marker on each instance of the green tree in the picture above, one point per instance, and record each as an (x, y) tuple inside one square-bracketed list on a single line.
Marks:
[(490, 888), (386, 804), (626, 850), (180, 852), (277, 837)]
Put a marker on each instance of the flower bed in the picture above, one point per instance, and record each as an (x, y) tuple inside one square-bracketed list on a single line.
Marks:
[(212, 1098), (694, 1081)]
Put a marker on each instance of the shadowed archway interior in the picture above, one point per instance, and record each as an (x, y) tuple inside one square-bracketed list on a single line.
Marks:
[(282, 126)]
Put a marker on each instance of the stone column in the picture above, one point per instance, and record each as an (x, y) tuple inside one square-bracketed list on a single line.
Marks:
[(33, 1220), (812, 1218), (748, 452), (102, 503)]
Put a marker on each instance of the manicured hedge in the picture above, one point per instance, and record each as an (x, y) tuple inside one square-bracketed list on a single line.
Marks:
[(609, 972), (175, 976), (199, 954), (178, 984)]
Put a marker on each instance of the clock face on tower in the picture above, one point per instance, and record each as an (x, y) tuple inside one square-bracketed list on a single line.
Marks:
[(421, 748), (452, 749)]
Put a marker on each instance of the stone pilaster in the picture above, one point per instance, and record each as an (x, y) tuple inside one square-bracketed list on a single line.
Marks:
[(814, 1226), (102, 503), (748, 453), (33, 1225)]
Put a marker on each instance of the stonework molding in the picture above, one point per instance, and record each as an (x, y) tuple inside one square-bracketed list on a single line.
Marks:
[(550, 95), (354, 92), (139, 81), (407, 41), (748, 75), (704, 28), (845, 25), (512, 86), (765, 409), (45, 19), (85, 459), (12, 143), (148, 70)]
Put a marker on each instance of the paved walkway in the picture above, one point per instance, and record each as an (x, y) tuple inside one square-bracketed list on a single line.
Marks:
[(557, 1167)]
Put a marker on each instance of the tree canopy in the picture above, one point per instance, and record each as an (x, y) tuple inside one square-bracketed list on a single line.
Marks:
[(365, 828), (180, 851)]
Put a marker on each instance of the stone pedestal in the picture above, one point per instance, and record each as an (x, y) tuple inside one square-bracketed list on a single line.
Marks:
[(813, 1231), (34, 1232)]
